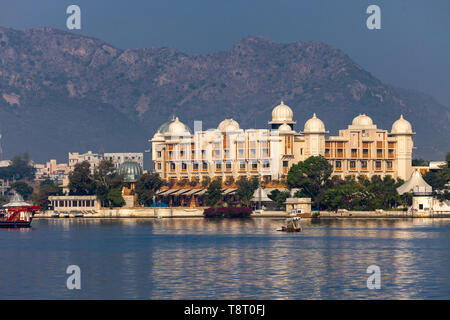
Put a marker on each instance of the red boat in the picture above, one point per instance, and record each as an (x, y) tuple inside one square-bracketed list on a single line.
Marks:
[(17, 214)]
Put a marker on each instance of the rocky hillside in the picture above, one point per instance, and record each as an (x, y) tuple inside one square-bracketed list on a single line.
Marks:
[(62, 92)]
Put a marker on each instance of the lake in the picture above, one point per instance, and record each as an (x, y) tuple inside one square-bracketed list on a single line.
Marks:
[(226, 259)]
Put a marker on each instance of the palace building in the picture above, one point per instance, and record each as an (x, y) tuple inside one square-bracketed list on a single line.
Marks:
[(230, 151)]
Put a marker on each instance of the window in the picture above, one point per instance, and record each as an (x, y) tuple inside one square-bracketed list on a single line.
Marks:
[(218, 166), (254, 165), (183, 166), (352, 164), (265, 151), (389, 164), (181, 153), (327, 150), (241, 152), (204, 165), (340, 151), (203, 153), (365, 152), (172, 166), (266, 164), (338, 165), (228, 165), (242, 165), (285, 164), (364, 164), (253, 152), (379, 152), (378, 164), (217, 153), (159, 165), (170, 153), (354, 152), (159, 154), (195, 165)]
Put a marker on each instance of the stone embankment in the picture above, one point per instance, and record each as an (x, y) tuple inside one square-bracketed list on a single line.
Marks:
[(198, 212)]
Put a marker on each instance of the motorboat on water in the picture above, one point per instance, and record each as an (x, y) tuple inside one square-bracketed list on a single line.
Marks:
[(291, 225)]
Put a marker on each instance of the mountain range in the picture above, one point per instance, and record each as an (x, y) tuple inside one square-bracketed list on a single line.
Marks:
[(62, 92)]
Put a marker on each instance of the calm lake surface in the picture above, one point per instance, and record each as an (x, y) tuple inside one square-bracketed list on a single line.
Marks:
[(226, 259)]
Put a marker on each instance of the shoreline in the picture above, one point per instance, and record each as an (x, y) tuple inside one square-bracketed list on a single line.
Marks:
[(177, 212)]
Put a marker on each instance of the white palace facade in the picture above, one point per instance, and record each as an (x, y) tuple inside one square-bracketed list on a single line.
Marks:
[(229, 151)]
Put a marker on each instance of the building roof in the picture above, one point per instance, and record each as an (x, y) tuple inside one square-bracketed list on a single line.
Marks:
[(228, 125), (263, 198), (314, 125), (416, 181), (401, 126), (131, 171), (282, 114)]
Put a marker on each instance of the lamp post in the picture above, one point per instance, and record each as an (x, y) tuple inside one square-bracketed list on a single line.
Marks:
[(260, 191)]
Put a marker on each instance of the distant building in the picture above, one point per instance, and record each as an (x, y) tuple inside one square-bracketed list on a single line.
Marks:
[(119, 158), (52, 170), (229, 151), (94, 159), (5, 163)]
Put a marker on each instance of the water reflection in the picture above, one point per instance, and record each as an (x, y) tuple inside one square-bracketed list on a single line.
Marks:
[(226, 259)]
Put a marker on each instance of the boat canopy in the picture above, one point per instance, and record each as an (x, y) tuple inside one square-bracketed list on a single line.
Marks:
[(17, 201)]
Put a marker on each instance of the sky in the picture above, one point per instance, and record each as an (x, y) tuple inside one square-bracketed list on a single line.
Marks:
[(411, 50)]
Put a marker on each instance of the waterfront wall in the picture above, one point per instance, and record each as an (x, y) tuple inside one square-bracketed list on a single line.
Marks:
[(182, 212)]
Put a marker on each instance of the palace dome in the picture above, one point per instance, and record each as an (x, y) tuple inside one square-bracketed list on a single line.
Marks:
[(401, 126), (314, 125), (228, 125), (130, 170), (285, 128), (362, 121), (178, 127), (282, 113)]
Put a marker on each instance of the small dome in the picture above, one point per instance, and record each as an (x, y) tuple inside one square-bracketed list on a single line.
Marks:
[(362, 121), (178, 127), (282, 113), (401, 126), (130, 170), (228, 125), (285, 128), (314, 125), (164, 127)]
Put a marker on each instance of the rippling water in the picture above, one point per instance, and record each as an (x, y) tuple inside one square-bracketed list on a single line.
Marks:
[(226, 259)]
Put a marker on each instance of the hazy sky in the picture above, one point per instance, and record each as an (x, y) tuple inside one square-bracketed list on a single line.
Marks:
[(412, 49)]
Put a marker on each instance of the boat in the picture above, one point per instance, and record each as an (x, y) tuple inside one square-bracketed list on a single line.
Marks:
[(292, 225), (314, 216), (17, 213)]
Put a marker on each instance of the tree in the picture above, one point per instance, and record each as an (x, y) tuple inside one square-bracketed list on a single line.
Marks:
[(115, 198), (80, 180), (46, 188), (19, 169), (245, 190), (146, 187), (214, 193), (420, 162), (23, 189), (279, 197), (105, 179), (310, 175)]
